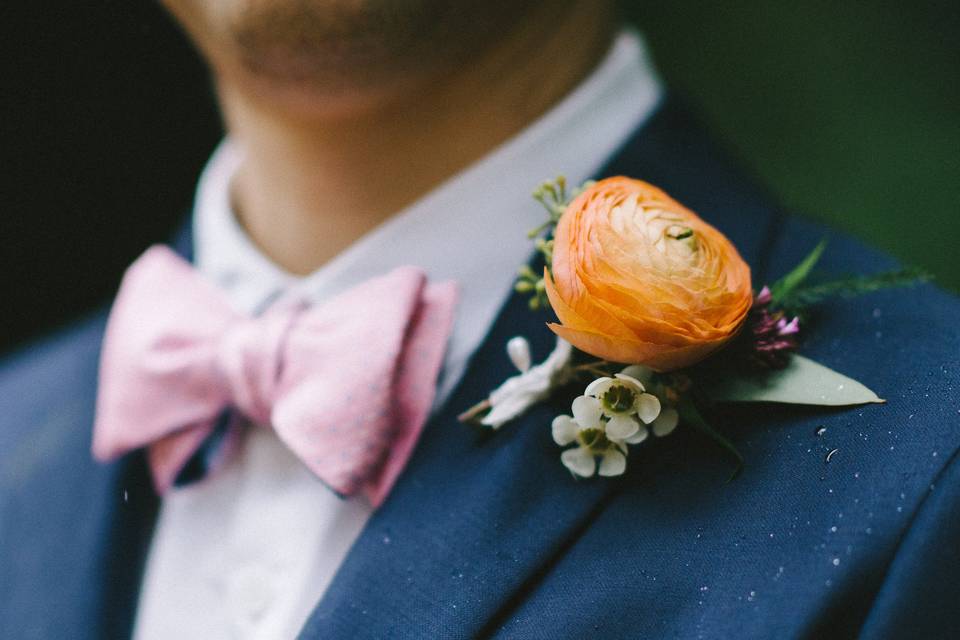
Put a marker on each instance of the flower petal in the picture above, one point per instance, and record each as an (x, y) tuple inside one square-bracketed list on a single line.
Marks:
[(639, 373), (666, 422), (613, 463), (586, 411), (648, 407), (638, 437), (531, 383), (507, 408), (564, 430), (579, 461), (621, 427), (518, 348), (618, 349), (558, 358), (631, 382), (598, 387)]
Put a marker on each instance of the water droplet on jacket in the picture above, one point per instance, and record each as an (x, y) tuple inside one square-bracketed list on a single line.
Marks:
[(820, 430)]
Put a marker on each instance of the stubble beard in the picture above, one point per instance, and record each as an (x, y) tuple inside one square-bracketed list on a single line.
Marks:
[(351, 47)]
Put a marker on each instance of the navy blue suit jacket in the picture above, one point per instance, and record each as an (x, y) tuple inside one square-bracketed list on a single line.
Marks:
[(489, 536)]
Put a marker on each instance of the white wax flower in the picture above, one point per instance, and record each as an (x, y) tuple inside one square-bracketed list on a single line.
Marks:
[(613, 412)]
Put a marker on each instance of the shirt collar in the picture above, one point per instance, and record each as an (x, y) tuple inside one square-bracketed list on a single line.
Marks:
[(471, 229)]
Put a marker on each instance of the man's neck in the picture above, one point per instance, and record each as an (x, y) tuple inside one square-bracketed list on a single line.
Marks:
[(313, 183)]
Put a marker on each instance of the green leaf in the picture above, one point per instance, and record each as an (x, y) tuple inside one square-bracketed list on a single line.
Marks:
[(806, 296), (803, 381), (690, 415), (782, 287)]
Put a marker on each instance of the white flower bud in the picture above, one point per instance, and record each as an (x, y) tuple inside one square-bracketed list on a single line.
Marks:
[(519, 351)]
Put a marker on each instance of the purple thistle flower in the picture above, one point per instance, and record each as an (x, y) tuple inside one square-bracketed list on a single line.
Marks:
[(785, 328), (772, 337), (764, 297)]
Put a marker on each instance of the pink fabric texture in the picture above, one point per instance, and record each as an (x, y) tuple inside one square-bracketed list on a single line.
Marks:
[(347, 384)]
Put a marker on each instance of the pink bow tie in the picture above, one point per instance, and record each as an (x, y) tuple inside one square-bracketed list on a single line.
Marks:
[(347, 385)]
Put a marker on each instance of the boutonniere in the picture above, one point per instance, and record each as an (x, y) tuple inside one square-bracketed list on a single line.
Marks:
[(658, 320)]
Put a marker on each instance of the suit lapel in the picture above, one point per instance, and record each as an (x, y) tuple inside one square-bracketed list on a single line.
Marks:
[(470, 519), (474, 519)]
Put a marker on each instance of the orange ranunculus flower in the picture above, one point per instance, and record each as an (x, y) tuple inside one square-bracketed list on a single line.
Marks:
[(638, 278)]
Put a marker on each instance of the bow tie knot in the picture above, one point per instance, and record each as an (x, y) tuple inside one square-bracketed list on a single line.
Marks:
[(346, 385), (249, 359)]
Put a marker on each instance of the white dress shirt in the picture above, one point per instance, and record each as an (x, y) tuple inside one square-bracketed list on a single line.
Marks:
[(250, 550)]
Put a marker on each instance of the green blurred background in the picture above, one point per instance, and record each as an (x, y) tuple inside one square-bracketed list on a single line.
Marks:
[(849, 111)]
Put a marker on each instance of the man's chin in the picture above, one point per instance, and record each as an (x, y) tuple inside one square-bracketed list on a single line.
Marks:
[(329, 95), (343, 51)]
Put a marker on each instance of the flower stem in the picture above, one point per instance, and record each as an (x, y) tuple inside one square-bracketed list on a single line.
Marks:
[(692, 416), (472, 414), (595, 367)]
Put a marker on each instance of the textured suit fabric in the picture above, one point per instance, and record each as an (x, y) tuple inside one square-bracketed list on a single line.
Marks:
[(489, 536)]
